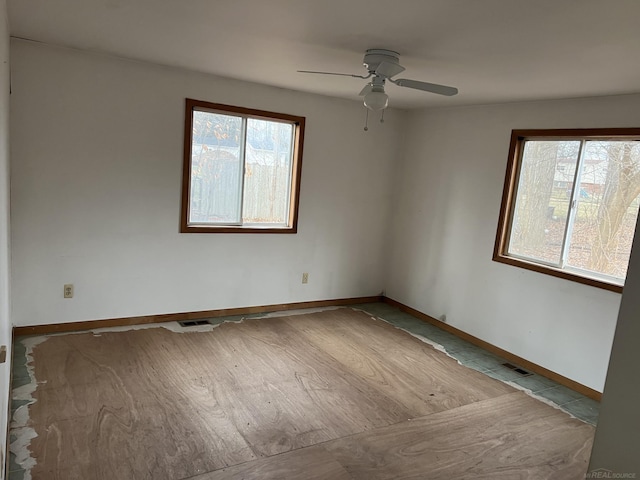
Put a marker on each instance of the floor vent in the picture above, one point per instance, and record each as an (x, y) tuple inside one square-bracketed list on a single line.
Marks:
[(193, 323), (519, 370)]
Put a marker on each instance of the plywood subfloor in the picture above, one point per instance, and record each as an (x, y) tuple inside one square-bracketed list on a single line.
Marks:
[(329, 395)]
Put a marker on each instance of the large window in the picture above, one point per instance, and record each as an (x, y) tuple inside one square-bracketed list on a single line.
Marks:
[(570, 203), (241, 170)]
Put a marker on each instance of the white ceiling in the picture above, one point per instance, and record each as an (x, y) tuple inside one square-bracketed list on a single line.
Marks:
[(492, 50)]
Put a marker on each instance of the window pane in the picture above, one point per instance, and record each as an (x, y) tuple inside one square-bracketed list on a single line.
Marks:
[(607, 208), (216, 164), (267, 172), (543, 197)]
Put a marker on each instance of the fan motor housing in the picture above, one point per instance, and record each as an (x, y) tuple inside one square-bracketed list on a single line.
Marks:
[(375, 56)]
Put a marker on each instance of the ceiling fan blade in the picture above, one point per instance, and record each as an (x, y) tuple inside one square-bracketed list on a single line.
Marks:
[(427, 87), (388, 69), (331, 73), (367, 88)]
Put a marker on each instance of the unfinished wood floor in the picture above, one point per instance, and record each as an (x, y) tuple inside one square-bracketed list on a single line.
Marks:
[(330, 395)]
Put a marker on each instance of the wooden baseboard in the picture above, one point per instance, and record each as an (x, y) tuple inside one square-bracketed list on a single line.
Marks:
[(175, 317), (526, 364)]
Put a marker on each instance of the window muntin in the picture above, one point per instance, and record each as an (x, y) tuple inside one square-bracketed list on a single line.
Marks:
[(571, 204), (241, 170)]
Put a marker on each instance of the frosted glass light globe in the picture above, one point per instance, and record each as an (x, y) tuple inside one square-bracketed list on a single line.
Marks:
[(376, 101)]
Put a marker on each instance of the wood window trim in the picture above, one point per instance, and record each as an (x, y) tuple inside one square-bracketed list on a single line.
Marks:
[(511, 178), (298, 123)]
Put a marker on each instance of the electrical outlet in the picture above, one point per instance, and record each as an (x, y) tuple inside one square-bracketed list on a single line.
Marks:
[(305, 277), (68, 290)]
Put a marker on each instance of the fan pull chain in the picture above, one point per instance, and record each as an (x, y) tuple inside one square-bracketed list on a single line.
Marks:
[(382, 117), (366, 121)]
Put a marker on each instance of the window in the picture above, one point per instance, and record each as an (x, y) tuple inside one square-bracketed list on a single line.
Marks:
[(241, 170), (570, 204)]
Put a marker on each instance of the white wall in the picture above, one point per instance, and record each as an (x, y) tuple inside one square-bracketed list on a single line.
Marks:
[(5, 323), (445, 220), (617, 442), (96, 178)]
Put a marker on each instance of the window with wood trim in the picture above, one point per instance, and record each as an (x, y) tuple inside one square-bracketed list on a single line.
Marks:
[(570, 204), (241, 171)]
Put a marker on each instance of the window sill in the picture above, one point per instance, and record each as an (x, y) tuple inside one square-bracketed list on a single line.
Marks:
[(556, 272), (229, 229)]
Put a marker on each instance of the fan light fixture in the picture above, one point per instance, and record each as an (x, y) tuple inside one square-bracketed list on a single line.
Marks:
[(376, 99), (383, 65)]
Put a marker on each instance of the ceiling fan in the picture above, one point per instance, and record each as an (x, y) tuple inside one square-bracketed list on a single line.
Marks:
[(383, 65)]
